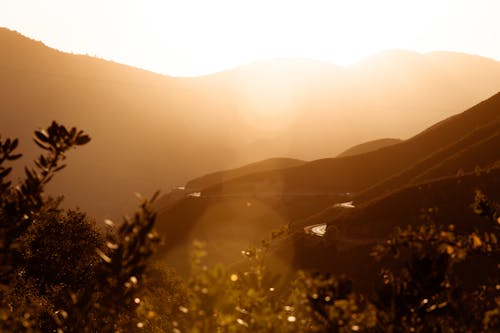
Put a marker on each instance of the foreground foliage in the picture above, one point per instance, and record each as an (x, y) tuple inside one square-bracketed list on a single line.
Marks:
[(425, 285), (57, 271)]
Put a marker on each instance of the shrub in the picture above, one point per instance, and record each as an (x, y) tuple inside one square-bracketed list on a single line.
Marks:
[(57, 272)]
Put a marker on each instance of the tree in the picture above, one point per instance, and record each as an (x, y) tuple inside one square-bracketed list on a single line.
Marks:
[(57, 272)]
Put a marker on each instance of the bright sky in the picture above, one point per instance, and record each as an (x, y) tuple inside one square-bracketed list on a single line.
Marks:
[(195, 37)]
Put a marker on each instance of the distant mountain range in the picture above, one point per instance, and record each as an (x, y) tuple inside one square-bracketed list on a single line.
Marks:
[(151, 131)]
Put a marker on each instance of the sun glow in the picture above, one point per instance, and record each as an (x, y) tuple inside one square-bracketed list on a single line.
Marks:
[(195, 37)]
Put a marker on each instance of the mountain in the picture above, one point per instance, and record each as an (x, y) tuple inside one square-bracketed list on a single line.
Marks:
[(357, 173), (153, 132), (440, 187), (352, 234), (478, 148), (222, 176), (442, 166), (366, 147)]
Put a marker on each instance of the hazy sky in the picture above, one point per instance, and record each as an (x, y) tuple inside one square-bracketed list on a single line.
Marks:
[(193, 37)]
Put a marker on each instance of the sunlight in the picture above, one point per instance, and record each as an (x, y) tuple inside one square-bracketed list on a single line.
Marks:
[(193, 37), (230, 33)]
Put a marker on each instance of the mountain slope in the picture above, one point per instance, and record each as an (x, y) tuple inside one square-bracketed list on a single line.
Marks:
[(151, 131), (478, 148), (369, 146), (356, 173), (222, 176), (352, 234), (247, 208)]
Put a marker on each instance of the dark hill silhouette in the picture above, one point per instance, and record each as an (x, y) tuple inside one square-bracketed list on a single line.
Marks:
[(352, 234), (369, 146), (151, 131), (222, 176), (356, 173), (452, 196), (478, 148), (227, 224)]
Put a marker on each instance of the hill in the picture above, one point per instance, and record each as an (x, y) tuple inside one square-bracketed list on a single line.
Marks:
[(222, 176), (151, 131), (247, 208), (366, 147), (476, 149), (351, 234), (357, 173)]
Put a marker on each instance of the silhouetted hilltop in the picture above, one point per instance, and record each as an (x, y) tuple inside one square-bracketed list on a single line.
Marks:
[(477, 149), (369, 146), (356, 173), (221, 176)]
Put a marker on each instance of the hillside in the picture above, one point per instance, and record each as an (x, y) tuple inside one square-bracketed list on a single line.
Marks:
[(476, 149), (356, 173), (247, 208), (369, 146), (167, 130), (222, 176), (227, 225), (351, 234)]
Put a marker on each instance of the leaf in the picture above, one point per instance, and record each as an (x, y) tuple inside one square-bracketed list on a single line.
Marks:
[(14, 144), (155, 196), (37, 163), (83, 139), (109, 223), (42, 135), (60, 168), (6, 145), (476, 241), (14, 157), (48, 179), (41, 144), (28, 172), (493, 237), (52, 130), (5, 172), (63, 130), (103, 255)]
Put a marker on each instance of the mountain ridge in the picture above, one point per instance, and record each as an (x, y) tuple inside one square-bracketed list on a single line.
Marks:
[(151, 131)]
